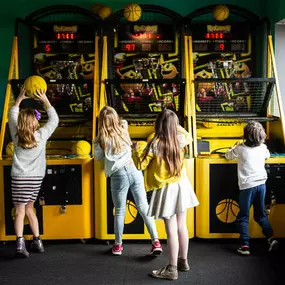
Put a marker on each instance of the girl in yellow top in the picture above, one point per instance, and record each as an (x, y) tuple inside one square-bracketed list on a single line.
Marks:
[(162, 160)]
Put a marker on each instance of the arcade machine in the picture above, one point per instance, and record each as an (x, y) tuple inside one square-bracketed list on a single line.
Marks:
[(233, 78), (60, 44), (145, 73)]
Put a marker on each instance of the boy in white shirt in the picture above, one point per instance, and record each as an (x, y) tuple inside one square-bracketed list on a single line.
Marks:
[(252, 176)]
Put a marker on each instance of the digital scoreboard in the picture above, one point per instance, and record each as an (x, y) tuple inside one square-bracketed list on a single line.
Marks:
[(57, 38), (148, 38), (221, 38)]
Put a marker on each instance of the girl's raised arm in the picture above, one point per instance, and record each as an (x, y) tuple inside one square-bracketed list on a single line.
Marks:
[(53, 120), (138, 153)]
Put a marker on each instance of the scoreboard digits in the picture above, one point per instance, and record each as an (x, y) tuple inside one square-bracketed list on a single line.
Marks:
[(227, 38), (146, 38), (64, 39)]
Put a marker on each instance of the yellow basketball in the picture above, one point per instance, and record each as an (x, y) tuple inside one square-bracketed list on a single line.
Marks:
[(104, 12), (227, 210), (96, 7), (132, 12), (81, 148), (221, 12), (10, 149), (34, 83), (141, 145)]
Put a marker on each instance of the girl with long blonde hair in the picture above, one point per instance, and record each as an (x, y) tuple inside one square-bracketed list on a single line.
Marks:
[(113, 145), (28, 165), (163, 161)]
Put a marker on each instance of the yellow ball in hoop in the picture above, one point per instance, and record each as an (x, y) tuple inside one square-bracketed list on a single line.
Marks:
[(96, 7), (221, 12), (132, 12), (10, 149), (105, 12)]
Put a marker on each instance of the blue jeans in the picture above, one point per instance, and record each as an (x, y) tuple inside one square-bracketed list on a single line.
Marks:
[(253, 196), (128, 177)]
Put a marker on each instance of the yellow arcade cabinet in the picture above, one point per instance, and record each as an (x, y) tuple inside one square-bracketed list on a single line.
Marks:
[(144, 72), (60, 44), (233, 80)]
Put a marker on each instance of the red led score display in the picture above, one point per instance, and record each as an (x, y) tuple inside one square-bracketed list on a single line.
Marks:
[(142, 38), (146, 36), (219, 47), (134, 38), (59, 38), (128, 47), (221, 38), (215, 36), (65, 36), (218, 36)]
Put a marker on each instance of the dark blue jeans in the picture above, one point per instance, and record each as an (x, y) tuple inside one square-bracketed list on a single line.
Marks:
[(253, 196)]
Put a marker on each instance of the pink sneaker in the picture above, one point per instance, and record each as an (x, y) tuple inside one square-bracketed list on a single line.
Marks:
[(156, 248), (117, 249)]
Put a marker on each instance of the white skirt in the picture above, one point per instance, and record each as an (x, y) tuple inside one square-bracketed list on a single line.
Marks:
[(172, 199)]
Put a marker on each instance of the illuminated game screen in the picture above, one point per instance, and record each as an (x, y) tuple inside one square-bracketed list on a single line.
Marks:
[(64, 56), (58, 38), (66, 99), (152, 54), (224, 52)]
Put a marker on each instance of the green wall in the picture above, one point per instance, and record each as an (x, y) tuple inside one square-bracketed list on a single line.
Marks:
[(275, 10), (10, 9)]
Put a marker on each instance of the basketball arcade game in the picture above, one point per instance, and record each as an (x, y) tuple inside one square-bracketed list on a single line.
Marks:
[(60, 44), (232, 83), (145, 74)]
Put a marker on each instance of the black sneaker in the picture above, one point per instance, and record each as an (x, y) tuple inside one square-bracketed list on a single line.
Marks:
[(21, 250), (273, 244), (244, 250), (37, 245)]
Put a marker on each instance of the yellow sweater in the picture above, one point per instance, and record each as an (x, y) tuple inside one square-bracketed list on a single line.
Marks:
[(156, 174)]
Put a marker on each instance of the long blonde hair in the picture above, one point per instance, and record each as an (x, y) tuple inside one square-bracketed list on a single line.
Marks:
[(111, 131), (166, 138), (27, 125)]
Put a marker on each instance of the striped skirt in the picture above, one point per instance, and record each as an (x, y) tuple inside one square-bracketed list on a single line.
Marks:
[(25, 189)]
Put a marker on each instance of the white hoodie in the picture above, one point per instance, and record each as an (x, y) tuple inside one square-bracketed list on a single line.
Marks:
[(251, 164), (114, 162)]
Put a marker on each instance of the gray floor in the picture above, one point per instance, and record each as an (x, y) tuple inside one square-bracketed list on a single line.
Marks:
[(72, 263)]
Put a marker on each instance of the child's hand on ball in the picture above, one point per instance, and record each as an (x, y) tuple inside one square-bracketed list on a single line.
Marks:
[(41, 95), (21, 97)]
